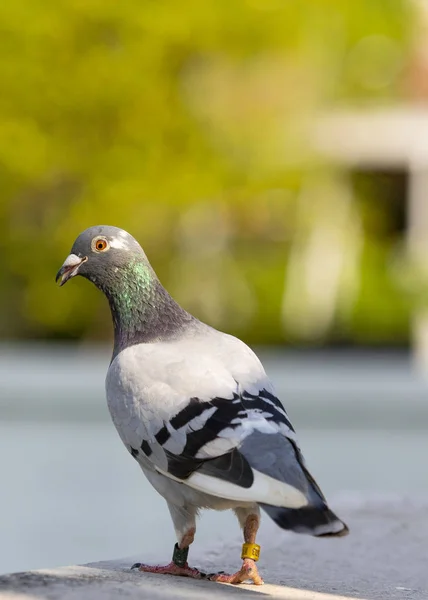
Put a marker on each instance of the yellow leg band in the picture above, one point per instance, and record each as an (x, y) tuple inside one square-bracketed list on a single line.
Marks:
[(250, 551)]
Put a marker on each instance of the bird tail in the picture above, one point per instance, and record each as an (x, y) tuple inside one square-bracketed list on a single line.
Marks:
[(315, 519), (312, 520), (280, 458)]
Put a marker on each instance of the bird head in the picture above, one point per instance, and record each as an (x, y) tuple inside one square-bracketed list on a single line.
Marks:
[(98, 253)]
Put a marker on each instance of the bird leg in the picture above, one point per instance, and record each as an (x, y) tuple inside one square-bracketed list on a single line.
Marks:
[(250, 554), (178, 564)]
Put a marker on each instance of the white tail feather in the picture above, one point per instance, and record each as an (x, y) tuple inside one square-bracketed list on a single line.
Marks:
[(265, 489)]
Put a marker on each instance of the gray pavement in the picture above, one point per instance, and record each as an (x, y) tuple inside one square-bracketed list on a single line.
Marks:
[(384, 558)]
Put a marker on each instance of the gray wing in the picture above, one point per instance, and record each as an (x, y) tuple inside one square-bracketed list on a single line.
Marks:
[(216, 429)]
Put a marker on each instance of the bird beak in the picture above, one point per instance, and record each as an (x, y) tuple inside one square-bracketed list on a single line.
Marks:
[(70, 268)]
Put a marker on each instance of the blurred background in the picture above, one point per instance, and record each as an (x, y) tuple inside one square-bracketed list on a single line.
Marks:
[(272, 159)]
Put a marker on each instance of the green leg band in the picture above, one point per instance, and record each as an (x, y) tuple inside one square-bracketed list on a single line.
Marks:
[(179, 556)]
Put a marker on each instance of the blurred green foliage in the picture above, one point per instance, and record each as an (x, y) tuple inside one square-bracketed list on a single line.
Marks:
[(187, 123)]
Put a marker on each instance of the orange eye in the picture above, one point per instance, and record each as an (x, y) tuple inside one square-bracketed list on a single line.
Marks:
[(100, 244)]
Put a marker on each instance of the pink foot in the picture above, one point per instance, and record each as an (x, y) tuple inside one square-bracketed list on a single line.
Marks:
[(171, 569), (248, 571)]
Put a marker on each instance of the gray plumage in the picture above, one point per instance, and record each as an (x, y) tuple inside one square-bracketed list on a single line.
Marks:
[(192, 405)]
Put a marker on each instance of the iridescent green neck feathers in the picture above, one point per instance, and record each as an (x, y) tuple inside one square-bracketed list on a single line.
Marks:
[(141, 308)]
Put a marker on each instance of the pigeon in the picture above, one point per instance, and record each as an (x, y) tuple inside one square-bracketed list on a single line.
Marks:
[(196, 410)]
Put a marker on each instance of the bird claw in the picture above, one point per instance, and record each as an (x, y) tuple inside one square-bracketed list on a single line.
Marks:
[(171, 569), (247, 572)]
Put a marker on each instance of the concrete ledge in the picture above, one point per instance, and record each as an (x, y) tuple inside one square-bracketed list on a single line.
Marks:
[(384, 558), (72, 583)]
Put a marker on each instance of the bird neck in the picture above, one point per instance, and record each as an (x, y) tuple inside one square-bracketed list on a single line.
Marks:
[(141, 308)]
